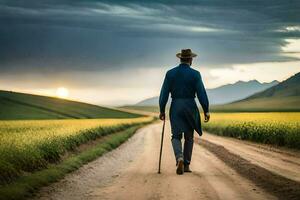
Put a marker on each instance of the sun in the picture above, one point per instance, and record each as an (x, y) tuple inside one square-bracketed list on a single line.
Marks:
[(62, 92)]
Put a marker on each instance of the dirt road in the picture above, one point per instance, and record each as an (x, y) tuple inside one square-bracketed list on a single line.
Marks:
[(284, 162), (130, 172)]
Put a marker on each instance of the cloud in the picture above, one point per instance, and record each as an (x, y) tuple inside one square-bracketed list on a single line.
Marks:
[(263, 72), (97, 35), (293, 45), (57, 40)]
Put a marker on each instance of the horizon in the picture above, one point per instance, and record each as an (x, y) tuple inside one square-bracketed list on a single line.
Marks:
[(117, 52), (53, 92), (150, 97)]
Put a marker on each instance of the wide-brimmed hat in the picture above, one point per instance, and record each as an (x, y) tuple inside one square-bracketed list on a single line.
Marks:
[(186, 53)]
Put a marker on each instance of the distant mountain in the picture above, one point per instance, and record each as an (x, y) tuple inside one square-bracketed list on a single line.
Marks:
[(239, 90), (14, 105), (153, 101), (284, 96), (287, 88), (226, 93)]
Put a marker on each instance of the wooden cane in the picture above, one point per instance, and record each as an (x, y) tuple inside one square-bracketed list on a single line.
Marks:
[(161, 145)]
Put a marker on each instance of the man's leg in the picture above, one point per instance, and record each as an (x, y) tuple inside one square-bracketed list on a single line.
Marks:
[(177, 147), (188, 148)]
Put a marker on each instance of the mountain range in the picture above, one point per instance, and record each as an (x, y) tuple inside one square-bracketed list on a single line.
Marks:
[(226, 93), (284, 96)]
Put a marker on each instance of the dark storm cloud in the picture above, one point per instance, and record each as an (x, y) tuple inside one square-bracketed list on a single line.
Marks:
[(51, 36)]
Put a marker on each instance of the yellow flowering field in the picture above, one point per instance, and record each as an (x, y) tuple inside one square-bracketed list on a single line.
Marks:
[(278, 128), (28, 145)]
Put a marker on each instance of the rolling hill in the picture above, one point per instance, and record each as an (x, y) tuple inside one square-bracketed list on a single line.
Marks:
[(226, 93), (284, 96), (15, 105)]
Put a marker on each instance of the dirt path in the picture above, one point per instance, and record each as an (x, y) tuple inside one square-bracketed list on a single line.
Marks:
[(131, 172), (278, 160)]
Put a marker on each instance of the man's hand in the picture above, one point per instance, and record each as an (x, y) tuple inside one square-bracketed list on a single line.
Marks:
[(206, 117), (162, 116)]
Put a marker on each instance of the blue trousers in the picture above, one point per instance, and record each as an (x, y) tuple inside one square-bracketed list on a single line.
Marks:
[(188, 146)]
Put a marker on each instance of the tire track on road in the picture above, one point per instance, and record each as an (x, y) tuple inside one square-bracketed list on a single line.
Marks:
[(280, 186)]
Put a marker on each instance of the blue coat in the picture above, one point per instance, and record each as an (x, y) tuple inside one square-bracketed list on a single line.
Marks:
[(184, 83)]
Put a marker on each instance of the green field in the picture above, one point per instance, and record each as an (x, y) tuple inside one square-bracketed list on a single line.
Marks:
[(26, 106), (41, 138), (154, 109), (30, 145), (282, 129), (274, 104)]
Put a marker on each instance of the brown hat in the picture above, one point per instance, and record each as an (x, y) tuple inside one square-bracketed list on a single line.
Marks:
[(186, 53)]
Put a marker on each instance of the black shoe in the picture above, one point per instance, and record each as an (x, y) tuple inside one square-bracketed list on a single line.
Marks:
[(187, 169), (179, 169)]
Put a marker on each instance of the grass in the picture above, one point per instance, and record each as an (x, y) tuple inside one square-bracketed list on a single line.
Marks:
[(274, 104), (30, 145), (22, 106), (28, 184), (154, 109), (282, 129)]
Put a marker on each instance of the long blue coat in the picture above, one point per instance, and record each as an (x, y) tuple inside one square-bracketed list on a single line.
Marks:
[(184, 83)]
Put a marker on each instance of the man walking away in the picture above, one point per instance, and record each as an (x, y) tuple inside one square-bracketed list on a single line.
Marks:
[(184, 83)]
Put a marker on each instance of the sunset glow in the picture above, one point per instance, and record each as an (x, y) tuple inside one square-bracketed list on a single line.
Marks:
[(62, 92)]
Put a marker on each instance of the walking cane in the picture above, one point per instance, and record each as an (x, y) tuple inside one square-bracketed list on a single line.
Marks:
[(161, 145)]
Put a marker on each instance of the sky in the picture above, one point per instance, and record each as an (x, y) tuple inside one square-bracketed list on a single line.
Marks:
[(117, 52)]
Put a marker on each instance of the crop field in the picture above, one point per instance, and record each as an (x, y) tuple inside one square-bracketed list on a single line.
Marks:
[(30, 145), (282, 129), (154, 109), (23, 106)]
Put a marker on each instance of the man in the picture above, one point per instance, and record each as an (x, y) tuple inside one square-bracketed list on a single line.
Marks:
[(184, 83)]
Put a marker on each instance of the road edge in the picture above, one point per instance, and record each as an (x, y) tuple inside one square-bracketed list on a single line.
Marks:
[(275, 184), (27, 186)]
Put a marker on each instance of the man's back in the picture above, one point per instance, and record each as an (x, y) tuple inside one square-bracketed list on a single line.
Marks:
[(182, 81)]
